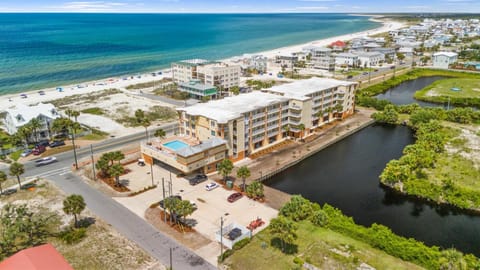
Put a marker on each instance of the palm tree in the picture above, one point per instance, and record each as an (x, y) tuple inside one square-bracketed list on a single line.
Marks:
[(225, 167), (184, 209), (320, 115), (69, 113), (25, 132), (139, 114), (3, 179), (74, 204), (17, 169), (284, 229), (146, 123), (287, 130), (116, 170), (35, 125), (75, 114), (302, 128), (243, 172), (160, 133)]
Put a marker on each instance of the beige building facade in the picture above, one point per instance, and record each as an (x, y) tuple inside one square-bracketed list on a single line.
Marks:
[(257, 120)]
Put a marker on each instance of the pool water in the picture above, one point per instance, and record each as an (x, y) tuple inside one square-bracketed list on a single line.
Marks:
[(175, 145)]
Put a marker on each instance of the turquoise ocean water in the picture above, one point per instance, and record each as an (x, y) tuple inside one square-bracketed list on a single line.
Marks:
[(48, 50)]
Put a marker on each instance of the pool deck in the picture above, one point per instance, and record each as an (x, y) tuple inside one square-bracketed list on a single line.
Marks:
[(159, 144)]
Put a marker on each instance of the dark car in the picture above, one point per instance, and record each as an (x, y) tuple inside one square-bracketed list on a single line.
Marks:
[(42, 143), (174, 196), (29, 185), (199, 178), (234, 234), (9, 191), (234, 197), (38, 150), (57, 143)]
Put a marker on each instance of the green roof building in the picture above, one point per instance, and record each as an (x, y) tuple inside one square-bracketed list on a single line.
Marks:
[(197, 89)]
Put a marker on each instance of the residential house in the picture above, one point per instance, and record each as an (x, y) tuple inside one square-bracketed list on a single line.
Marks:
[(322, 58), (347, 59), (20, 115), (198, 90), (368, 59), (444, 59)]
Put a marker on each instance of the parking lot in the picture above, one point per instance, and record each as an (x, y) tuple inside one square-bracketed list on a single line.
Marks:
[(212, 205)]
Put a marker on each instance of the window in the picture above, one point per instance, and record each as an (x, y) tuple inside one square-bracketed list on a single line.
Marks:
[(212, 132)]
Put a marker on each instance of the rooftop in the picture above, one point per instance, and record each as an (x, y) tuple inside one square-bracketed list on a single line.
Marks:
[(448, 54), (196, 84), (36, 258), (301, 89), (22, 114), (194, 62), (205, 145), (230, 108)]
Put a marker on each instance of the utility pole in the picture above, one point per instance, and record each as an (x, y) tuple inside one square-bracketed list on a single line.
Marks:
[(74, 148), (221, 238), (369, 71), (171, 263), (163, 189), (93, 163), (151, 171)]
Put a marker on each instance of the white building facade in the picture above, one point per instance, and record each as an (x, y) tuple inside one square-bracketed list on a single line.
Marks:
[(444, 59)]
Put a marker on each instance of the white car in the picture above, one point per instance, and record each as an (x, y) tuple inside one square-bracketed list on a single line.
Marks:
[(211, 186), (45, 161)]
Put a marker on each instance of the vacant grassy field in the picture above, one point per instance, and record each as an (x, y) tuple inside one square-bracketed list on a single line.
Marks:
[(461, 162), (102, 248), (321, 247), (470, 88)]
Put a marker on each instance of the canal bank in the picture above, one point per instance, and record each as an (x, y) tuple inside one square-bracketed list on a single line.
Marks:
[(346, 176), (277, 161)]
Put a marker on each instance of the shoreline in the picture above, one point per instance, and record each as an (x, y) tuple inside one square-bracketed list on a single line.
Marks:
[(51, 93)]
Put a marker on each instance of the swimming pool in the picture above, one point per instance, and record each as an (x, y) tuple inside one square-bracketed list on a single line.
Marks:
[(175, 145)]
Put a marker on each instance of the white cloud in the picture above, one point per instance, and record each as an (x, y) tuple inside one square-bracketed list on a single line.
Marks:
[(92, 6), (317, 0)]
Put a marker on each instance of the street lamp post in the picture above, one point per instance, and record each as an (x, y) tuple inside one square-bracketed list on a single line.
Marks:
[(74, 148)]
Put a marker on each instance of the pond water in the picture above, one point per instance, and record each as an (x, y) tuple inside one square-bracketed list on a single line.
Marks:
[(345, 175), (403, 93)]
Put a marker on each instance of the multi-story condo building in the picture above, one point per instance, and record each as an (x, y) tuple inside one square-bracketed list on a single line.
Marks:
[(253, 121), (218, 74), (322, 58), (186, 70)]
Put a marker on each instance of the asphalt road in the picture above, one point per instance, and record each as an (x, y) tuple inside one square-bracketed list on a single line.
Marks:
[(127, 223)]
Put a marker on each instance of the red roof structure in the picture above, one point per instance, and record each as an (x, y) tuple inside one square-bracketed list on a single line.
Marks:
[(44, 257), (339, 44)]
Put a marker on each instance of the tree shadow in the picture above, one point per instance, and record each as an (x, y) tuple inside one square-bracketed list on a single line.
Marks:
[(124, 182), (86, 222), (288, 248)]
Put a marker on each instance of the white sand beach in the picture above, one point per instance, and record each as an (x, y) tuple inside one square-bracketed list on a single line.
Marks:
[(131, 97)]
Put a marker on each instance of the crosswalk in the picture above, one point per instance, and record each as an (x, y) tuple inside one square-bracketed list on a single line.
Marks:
[(60, 171)]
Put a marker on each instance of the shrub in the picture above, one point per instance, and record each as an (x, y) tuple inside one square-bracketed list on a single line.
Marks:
[(225, 255), (319, 218), (73, 236), (298, 261), (240, 244)]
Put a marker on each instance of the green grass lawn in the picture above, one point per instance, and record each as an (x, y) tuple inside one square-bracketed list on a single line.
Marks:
[(94, 110), (321, 247), (470, 88)]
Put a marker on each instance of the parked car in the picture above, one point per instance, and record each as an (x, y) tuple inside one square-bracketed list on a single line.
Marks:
[(29, 185), (45, 161), (349, 76), (57, 143), (141, 162), (42, 143), (365, 73), (26, 152), (198, 179), (211, 186), (9, 191), (161, 203), (194, 205), (38, 150), (234, 234), (234, 197)]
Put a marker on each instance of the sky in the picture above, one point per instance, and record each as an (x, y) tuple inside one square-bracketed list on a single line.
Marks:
[(241, 6)]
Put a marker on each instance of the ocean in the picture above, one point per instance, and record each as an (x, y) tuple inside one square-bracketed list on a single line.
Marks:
[(48, 50)]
